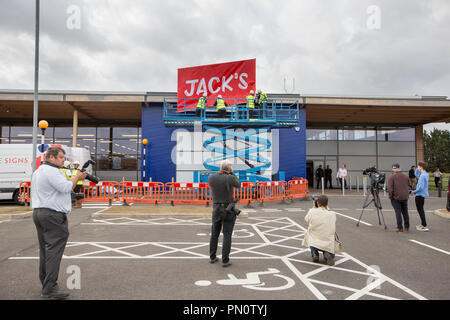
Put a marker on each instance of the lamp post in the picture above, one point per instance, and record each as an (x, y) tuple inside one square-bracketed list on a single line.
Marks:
[(43, 125), (144, 142)]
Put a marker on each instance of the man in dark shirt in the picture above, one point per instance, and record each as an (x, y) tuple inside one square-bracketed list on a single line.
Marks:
[(328, 173), (222, 185), (412, 177), (398, 189), (319, 176)]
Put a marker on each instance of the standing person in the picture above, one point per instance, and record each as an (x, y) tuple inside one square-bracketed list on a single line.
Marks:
[(79, 186), (221, 107), (319, 176), (398, 190), (261, 100), (222, 185), (412, 177), (421, 193), (437, 177), (341, 174), (251, 103), (65, 169), (320, 235), (201, 104), (328, 174), (51, 202)]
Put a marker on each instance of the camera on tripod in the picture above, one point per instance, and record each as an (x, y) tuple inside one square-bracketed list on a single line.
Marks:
[(377, 179), (231, 208)]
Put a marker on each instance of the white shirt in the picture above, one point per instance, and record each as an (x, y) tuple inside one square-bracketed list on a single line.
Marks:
[(50, 189), (342, 173)]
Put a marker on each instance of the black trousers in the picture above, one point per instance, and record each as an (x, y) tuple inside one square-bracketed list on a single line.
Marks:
[(52, 231), (222, 113), (328, 179), (401, 210), (221, 219), (420, 201)]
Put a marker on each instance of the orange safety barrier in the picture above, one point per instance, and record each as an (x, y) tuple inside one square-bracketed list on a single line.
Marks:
[(104, 191), (298, 188), (247, 193), (272, 191), (188, 193), (24, 192), (142, 192)]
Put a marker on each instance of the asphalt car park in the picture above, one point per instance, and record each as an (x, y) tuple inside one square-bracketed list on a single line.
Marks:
[(167, 256)]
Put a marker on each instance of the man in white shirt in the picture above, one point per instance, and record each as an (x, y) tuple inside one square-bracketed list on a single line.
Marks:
[(341, 174), (51, 202)]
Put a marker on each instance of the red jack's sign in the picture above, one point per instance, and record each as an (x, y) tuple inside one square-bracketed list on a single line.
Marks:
[(231, 80)]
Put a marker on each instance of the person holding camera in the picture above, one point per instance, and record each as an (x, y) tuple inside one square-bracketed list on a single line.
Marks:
[(320, 235), (398, 189), (51, 202), (224, 214)]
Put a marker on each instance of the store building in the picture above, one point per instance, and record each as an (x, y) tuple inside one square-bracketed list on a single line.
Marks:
[(358, 131)]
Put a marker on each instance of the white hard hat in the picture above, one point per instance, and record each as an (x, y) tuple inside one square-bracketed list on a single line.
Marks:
[(66, 163), (219, 96), (251, 91), (259, 90), (76, 162), (205, 95)]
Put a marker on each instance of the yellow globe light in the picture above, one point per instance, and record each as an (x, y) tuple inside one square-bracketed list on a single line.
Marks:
[(144, 142), (43, 124)]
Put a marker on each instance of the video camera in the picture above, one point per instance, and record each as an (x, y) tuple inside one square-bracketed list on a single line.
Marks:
[(377, 179), (90, 177), (231, 208)]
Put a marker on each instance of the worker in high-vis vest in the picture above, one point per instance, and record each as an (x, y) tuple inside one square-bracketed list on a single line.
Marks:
[(261, 100), (251, 103), (221, 107), (200, 106), (79, 187), (66, 170)]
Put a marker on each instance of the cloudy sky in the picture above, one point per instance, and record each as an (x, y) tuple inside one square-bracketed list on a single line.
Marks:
[(346, 47)]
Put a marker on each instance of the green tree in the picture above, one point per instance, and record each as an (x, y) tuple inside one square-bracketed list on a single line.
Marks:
[(437, 149)]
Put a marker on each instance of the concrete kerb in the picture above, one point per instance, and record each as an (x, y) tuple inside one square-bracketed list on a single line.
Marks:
[(15, 216), (442, 213)]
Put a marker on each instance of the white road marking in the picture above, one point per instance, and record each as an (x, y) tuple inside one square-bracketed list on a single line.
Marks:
[(283, 228), (431, 247), (348, 217), (271, 210)]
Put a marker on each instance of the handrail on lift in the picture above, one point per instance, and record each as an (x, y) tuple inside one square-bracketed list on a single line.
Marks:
[(272, 109)]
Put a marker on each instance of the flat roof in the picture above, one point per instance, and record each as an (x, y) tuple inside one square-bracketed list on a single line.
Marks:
[(124, 108)]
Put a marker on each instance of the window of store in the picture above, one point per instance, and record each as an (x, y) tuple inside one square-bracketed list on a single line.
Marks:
[(397, 134), (357, 135), (321, 134)]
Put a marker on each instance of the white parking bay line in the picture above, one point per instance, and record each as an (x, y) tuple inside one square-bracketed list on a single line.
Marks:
[(431, 247), (348, 217)]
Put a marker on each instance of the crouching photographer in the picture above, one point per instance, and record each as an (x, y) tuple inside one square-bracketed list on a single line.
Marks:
[(224, 211), (51, 202)]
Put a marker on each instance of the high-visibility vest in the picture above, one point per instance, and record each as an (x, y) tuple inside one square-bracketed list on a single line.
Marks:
[(220, 104), (67, 173), (74, 173), (201, 102), (250, 102), (262, 97)]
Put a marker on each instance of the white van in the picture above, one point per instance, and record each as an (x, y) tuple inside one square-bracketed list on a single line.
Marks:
[(16, 161)]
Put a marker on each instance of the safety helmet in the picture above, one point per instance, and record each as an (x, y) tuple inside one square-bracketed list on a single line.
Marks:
[(205, 95), (76, 162), (219, 96), (66, 163), (252, 92), (259, 90)]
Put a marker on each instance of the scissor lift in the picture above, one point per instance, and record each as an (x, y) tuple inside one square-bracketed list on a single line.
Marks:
[(180, 112)]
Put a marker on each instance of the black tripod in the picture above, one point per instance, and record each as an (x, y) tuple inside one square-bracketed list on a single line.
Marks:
[(376, 201)]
